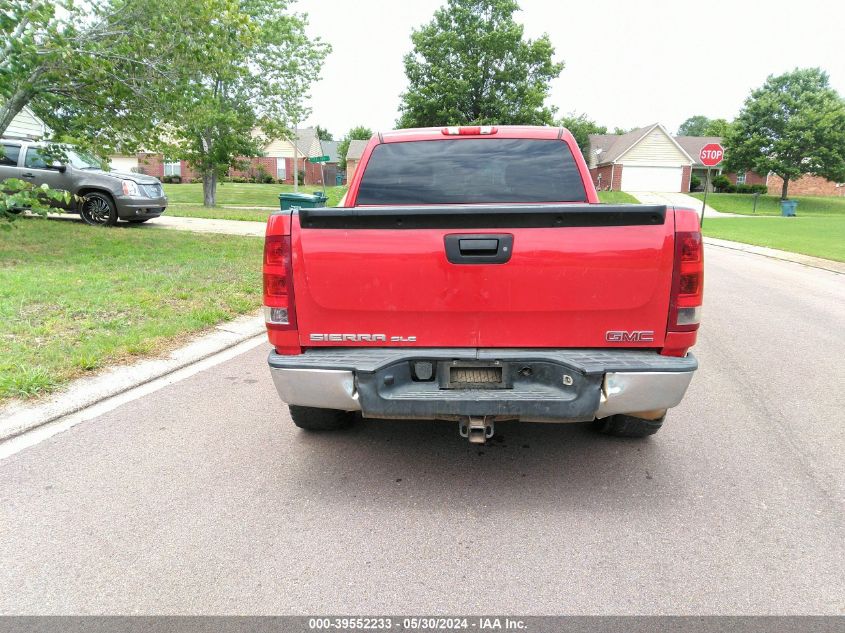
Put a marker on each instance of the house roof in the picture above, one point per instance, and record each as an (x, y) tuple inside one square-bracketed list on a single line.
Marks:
[(607, 148), (305, 138), (330, 149), (356, 149), (612, 146), (692, 145)]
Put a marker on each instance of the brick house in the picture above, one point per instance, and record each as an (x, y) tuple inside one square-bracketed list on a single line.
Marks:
[(278, 161), (693, 145), (644, 159), (806, 186)]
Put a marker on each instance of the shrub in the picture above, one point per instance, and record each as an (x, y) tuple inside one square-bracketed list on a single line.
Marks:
[(749, 189), (721, 183), (694, 183), (172, 180), (263, 176)]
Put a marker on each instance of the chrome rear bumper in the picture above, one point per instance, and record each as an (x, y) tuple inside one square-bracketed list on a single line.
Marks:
[(607, 382)]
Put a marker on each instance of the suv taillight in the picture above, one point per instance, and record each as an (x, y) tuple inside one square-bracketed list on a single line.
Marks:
[(279, 308), (687, 282)]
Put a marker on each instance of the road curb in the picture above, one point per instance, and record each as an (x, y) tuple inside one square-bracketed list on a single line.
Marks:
[(797, 258), (18, 418)]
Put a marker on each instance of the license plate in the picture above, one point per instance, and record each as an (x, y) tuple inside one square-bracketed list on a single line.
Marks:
[(473, 375)]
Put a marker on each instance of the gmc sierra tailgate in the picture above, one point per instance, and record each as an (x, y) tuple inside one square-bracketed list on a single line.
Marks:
[(506, 275)]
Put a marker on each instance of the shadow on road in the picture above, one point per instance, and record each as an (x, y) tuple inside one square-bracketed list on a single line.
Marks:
[(525, 466)]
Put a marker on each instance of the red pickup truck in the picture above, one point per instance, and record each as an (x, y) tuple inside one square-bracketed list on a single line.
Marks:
[(471, 274)]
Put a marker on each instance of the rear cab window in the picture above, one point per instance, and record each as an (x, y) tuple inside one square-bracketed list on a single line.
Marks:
[(471, 171)]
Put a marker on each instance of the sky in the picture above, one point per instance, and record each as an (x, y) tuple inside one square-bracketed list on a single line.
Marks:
[(627, 63)]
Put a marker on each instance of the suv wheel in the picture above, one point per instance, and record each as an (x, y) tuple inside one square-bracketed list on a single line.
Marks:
[(316, 419), (628, 426), (98, 209)]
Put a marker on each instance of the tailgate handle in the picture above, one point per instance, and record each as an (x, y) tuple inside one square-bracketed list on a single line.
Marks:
[(479, 248)]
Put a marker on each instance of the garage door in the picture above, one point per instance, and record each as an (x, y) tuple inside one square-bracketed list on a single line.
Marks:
[(651, 178)]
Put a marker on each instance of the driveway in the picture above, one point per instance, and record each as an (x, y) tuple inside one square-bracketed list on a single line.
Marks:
[(197, 225), (202, 497), (680, 200), (205, 225)]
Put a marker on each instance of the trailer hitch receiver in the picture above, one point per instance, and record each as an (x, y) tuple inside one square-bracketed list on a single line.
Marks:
[(477, 429)]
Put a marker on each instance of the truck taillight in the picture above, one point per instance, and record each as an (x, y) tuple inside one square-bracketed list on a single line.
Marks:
[(279, 313), (687, 282), (469, 130)]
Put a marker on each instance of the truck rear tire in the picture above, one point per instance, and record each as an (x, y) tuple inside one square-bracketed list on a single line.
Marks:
[(317, 419), (628, 426)]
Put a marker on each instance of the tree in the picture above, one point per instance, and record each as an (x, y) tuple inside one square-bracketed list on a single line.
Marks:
[(694, 126), (90, 67), (717, 127), (359, 133), (246, 91), (323, 134), (94, 71), (792, 125), (470, 64), (581, 128), (700, 125)]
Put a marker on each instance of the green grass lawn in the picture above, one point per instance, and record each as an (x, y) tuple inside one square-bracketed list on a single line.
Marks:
[(617, 197), (245, 194), (219, 213), (770, 205), (818, 230), (74, 298), (819, 236)]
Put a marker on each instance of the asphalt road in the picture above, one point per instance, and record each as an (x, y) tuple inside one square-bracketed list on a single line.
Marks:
[(204, 498)]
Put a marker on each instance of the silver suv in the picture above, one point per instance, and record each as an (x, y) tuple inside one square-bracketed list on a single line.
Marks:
[(100, 197)]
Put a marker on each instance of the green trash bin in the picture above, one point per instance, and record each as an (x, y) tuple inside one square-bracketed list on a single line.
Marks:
[(302, 200), (787, 208)]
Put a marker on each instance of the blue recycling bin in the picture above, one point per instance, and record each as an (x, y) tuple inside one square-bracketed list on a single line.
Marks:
[(787, 208)]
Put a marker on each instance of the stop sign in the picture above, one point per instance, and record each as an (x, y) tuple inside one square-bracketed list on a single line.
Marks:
[(711, 154)]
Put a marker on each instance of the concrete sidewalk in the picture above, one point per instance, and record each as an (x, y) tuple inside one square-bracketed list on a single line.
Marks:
[(18, 416), (206, 225), (786, 256), (197, 225)]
